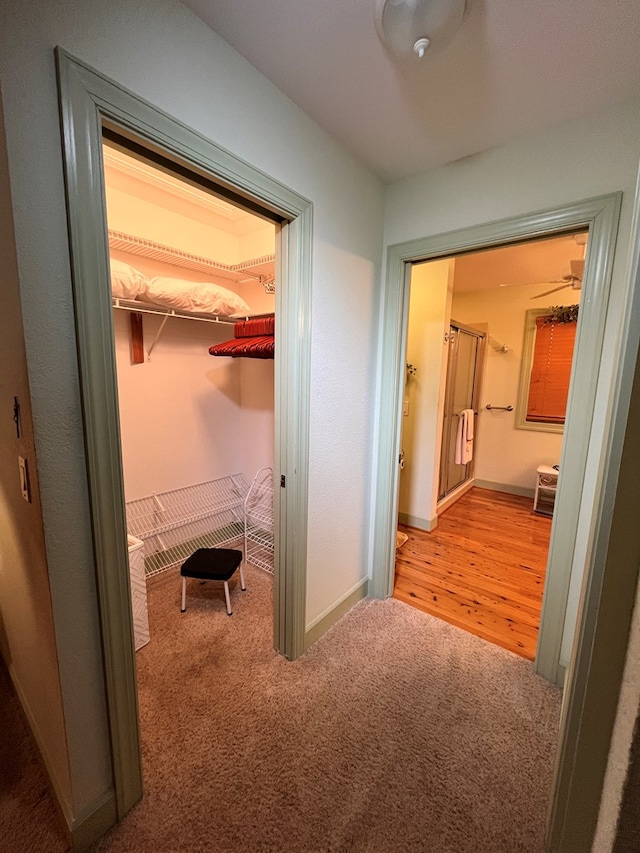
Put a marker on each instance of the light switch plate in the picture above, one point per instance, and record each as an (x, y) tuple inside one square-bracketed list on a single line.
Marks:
[(24, 479)]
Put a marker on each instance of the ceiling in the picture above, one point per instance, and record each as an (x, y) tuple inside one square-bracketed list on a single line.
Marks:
[(533, 262), (514, 67)]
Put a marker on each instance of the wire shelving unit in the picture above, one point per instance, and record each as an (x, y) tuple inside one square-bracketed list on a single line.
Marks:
[(175, 523), (258, 521)]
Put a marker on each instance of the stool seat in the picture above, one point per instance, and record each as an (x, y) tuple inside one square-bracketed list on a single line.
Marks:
[(548, 471), (212, 564)]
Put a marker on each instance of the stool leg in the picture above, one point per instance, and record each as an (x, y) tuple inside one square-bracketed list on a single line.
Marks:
[(226, 595), (183, 606), (243, 586)]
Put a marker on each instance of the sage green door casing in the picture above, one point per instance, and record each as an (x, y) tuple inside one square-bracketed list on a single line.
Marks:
[(90, 102)]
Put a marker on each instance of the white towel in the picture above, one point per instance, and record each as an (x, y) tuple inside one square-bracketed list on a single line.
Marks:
[(469, 419), (464, 437)]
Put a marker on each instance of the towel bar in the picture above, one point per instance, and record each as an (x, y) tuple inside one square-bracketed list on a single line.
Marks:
[(501, 408)]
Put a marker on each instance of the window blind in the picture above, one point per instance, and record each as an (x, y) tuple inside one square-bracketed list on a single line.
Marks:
[(550, 371)]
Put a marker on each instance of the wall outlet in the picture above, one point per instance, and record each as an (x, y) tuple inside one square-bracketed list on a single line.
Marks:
[(24, 479), (405, 408)]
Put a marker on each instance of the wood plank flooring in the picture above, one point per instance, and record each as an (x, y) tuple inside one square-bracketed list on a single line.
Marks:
[(481, 569)]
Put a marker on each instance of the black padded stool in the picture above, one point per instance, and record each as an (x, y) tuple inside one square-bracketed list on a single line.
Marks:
[(212, 564)]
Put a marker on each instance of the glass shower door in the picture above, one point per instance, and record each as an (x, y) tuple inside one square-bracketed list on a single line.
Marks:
[(462, 386)]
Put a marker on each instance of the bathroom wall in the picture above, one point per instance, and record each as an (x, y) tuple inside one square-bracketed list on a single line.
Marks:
[(506, 457), (429, 311)]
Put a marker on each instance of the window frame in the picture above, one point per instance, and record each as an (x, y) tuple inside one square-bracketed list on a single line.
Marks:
[(528, 348)]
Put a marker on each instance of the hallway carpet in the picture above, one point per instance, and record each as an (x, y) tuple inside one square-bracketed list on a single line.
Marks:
[(394, 732)]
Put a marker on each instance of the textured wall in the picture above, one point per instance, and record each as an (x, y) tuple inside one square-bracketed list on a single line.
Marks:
[(429, 312), (505, 454), (162, 52), (27, 637), (567, 163)]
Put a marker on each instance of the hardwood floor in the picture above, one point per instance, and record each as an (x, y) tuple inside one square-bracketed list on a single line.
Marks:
[(481, 569)]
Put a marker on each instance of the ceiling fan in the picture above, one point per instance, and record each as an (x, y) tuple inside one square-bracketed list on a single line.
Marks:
[(572, 279)]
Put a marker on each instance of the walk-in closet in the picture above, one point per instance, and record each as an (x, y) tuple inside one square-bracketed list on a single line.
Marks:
[(193, 289)]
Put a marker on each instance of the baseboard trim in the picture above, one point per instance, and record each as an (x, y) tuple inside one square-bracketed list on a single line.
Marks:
[(64, 806), (331, 615), (562, 674), (83, 832), (427, 524), (505, 487), (89, 829), (451, 498)]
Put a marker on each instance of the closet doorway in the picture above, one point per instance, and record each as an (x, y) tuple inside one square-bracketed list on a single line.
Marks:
[(90, 103), (193, 292)]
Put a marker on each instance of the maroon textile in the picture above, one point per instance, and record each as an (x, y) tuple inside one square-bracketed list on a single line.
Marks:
[(254, 327), (260, 346)]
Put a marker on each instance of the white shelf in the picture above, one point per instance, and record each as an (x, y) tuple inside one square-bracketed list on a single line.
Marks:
[(258, 521), (175, 523), (260, 269), (140, 307)]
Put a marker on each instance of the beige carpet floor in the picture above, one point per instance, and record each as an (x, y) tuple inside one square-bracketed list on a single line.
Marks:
[(394, 732)]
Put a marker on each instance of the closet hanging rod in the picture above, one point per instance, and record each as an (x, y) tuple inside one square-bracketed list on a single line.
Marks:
[(499, 408)]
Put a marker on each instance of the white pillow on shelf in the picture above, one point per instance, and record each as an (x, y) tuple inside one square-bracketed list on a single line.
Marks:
[(126, 281), (201, 297)]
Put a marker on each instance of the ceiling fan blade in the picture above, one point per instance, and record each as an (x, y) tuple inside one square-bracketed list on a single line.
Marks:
[(564, 280), (547, 292)]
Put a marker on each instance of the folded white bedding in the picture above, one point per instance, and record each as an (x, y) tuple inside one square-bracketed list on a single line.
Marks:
[(202, 297), (126, 281)]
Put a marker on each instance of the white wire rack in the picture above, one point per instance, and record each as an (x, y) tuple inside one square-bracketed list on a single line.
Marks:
[(174, 524), (258, 521)]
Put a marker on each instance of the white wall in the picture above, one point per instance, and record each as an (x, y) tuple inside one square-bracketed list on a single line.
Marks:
[(162, 52), (143, 217), (429, 312), (27, 634), (504, 455), (256, 243), (180, 418), (186, 417), (578, 160)]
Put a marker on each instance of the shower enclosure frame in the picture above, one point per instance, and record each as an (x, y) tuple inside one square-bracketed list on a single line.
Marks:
[(449, 415)]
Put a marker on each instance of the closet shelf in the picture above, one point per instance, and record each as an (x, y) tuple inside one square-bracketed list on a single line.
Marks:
[(260, 269), (140, 307)]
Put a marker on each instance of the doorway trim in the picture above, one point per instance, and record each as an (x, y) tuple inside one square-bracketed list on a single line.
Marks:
[(600, 215), (577, 785), (88, 102)]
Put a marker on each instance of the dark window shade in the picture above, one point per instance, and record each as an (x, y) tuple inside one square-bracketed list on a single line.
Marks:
[(550, 371)]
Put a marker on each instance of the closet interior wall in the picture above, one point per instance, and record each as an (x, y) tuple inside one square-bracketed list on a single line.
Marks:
[(185, 417)]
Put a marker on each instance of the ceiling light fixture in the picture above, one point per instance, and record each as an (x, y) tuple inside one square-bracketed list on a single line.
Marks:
[(413, 27)]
